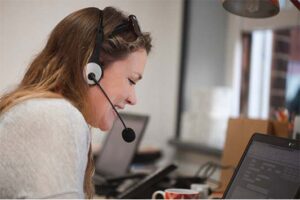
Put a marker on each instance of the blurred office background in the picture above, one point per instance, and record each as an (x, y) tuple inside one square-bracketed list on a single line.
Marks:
[(206, 66)]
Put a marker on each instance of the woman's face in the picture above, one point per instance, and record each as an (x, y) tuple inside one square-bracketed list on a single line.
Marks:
[(118, 81)]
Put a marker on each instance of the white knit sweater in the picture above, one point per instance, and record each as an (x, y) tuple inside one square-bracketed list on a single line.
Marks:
[(43, 150)]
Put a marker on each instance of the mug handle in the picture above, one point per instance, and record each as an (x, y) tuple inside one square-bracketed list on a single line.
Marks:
[(158, 192)]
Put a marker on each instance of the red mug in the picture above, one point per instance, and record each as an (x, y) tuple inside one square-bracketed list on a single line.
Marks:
[(177, 193)]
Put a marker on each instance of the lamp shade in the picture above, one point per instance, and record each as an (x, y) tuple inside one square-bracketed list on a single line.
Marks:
[(252, 8)]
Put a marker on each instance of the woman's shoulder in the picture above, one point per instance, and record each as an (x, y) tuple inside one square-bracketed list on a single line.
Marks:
[(44, 109), (47, 117)]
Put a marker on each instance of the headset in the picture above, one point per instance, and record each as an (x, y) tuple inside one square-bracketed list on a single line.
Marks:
[(94, 68), (94, 71)]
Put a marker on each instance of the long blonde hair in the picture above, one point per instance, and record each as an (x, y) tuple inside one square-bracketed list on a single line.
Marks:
[(57, 71)]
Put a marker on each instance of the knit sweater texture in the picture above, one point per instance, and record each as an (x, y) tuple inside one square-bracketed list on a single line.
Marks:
[(44, 147)]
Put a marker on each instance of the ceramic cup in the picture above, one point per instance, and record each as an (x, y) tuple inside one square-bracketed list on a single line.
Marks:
[(177, 193)]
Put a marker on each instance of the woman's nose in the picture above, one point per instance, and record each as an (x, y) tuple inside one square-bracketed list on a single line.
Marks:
[(132, 98)]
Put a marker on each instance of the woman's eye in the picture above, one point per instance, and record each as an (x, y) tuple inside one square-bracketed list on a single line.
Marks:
[(131, 82)]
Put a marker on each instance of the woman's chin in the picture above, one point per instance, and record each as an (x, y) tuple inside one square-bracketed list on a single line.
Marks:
[(106, 123), (105, 126)]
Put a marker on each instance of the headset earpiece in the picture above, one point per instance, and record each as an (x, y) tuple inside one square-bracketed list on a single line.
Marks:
[(93, 68)]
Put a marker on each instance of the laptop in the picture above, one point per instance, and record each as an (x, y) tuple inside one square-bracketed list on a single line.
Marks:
[(116, 155), (269, 168)]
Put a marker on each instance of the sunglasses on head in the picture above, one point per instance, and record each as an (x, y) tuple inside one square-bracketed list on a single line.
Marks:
[(130, 25)]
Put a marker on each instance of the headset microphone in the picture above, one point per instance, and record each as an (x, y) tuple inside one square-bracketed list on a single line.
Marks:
[(128, 134)]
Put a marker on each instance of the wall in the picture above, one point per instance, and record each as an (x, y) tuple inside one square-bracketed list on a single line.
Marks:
[(25, 25)]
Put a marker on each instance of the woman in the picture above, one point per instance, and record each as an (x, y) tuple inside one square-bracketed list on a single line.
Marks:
[(45, 142)]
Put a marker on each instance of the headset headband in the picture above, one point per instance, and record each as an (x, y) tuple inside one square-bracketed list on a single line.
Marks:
[(131, 24), (99, 39)]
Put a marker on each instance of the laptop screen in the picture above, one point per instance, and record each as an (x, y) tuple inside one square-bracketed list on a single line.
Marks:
[(116, 154), (270, 168)]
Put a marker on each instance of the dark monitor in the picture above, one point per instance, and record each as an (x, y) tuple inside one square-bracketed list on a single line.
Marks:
[(116, 154), (269, 168)]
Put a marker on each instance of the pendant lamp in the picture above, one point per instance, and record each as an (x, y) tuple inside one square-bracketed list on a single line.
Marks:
[(252, 8)]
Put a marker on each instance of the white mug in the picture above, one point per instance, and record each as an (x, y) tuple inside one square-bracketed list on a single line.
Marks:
[(177, 193)]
